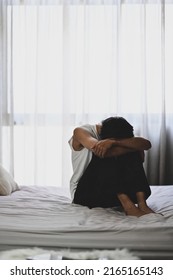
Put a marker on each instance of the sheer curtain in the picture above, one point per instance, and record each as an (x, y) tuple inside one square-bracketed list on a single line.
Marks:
[(65, 63)]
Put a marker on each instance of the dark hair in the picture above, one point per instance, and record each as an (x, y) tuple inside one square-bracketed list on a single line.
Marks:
[(116, 127)]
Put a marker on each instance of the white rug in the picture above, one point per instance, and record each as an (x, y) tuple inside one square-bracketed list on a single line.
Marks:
[(40, 254)]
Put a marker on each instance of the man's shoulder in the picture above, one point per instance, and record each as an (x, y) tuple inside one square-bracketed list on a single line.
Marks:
[(91, 128), (88, 126)]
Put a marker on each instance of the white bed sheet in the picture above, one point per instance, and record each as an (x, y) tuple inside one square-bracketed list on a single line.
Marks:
[(45, 217)]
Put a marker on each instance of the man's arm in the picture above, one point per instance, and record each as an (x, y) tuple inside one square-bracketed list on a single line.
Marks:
[(108, 147), (136, 143), (120, 147), (82, 138)]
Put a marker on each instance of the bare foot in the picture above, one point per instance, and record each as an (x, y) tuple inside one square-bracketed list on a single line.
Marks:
[(129, 207), (134, 211), (145, 209)]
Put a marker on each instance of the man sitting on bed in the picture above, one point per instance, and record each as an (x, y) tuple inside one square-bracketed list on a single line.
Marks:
[(108, 167)]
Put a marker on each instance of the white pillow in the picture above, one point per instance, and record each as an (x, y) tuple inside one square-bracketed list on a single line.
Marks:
[(7, 183)]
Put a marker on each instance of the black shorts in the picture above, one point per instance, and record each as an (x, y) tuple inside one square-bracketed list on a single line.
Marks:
[(104, 178)]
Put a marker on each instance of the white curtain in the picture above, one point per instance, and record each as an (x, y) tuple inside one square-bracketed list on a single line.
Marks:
[(66, 63)]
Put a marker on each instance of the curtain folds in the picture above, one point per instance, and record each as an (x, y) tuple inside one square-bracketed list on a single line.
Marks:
[(6, 98), (66, 63)]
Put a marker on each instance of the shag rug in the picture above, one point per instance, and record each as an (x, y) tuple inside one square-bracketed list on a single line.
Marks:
[(40, 254)]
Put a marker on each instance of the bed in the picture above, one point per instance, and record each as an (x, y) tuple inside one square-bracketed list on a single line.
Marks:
[(44, 217)]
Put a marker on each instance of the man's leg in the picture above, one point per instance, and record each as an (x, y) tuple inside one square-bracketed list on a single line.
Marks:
[(110, 182), (98, 186), (133, 178), (142, 205)]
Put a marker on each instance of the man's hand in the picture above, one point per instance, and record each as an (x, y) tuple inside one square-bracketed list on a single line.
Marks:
[(101, 147)]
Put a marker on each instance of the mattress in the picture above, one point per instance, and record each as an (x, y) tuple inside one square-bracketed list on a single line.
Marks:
[(46, 218)]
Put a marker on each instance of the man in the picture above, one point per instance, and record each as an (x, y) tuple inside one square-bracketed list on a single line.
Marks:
[(108, 167)]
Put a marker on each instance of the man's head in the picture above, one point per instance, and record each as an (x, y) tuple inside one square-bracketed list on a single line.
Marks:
[(116, 127)]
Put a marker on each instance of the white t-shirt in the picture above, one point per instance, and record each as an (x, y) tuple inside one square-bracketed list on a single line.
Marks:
[(80, 159)]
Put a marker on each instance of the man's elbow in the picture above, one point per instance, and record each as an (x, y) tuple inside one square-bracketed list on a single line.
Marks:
[(76, 132), (148, 145)]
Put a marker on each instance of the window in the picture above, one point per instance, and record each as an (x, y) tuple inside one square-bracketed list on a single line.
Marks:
[(73, 64)]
